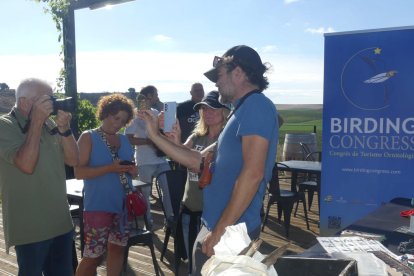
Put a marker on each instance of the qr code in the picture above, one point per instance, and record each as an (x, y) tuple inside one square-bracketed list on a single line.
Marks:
[(334, 222)]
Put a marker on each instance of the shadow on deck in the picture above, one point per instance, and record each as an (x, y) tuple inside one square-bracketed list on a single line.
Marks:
[(140, 262)]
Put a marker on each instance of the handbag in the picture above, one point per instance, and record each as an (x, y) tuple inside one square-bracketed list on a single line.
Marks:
[(136, 204), (134, 201)]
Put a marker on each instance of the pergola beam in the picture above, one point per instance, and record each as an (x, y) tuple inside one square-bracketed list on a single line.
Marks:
[(69, 49)]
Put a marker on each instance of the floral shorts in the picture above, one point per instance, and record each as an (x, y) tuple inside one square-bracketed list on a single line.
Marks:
[(99, 229)]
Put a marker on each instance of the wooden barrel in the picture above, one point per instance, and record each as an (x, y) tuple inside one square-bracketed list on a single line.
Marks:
[(292, 149)]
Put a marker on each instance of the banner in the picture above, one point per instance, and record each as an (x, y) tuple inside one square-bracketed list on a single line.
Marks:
[(368, 123)]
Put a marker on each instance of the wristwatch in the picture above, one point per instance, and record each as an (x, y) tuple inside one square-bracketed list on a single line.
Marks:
[(66, 133)]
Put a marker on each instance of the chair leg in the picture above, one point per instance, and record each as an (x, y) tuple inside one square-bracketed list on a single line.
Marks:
[(176, 257), (266, 214), (311, 191), (279, 212), (154, 258), (287, 211), (296, 209), (124, 266), (166, 239), (304, 210)]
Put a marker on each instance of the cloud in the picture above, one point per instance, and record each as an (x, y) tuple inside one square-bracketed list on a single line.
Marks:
[(287, 2), (161, 38), (269, 48), (320, 30), (293, 79)]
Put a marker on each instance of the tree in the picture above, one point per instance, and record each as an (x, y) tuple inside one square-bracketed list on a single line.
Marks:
[(86, 115), (4, 87)]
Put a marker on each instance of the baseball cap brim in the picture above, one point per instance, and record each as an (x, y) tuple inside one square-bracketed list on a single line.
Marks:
[(212, 75)]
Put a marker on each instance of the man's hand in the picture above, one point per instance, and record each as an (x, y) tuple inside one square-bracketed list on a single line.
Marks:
[(209, 242), (41, 109), (151, 122), (62, 120)]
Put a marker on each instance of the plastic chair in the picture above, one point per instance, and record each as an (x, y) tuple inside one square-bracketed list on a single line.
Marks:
[(140, 237), (176, 180), (74, 212), (311, 182), (285, 200)]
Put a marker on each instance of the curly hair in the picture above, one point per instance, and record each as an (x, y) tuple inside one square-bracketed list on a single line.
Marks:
[(112, 104)]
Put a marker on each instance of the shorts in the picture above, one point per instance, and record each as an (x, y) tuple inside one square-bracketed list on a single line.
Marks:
[(99, 229)]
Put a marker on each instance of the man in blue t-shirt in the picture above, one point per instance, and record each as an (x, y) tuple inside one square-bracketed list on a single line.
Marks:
[(245, 153)]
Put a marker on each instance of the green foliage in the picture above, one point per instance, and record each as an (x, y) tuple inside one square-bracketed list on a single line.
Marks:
[(58, 9), (301, 115), (86, 116), (85, 112)]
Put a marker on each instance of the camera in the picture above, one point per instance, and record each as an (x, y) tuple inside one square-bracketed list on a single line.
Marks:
[(65, 104)]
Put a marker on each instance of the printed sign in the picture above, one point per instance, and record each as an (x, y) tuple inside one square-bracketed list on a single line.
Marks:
[(368, 123)]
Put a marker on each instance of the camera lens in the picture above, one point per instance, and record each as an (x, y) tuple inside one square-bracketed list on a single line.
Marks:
[(65, 104)]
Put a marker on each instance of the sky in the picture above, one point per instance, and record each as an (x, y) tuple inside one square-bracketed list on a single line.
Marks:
[(170, 44)]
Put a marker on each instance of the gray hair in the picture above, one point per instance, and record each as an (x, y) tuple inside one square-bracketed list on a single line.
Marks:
[(30, 87)]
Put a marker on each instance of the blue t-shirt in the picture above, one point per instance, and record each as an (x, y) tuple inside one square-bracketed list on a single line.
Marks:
[(106, 193), (256, 116)]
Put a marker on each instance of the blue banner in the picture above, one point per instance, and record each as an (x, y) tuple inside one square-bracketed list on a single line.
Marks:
[(368, 123)]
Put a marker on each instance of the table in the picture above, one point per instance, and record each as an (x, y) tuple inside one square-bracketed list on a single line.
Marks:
[(300, 166), (385, 221), (74, 191)]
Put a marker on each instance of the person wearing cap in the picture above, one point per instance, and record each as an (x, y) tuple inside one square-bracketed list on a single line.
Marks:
[(213, 116), (186, 114), (245, 154)]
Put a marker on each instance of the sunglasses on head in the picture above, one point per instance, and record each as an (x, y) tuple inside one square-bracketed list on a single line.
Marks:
[(218, 61)]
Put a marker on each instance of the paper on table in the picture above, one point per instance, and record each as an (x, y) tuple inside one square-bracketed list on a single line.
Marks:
[(352, 244)]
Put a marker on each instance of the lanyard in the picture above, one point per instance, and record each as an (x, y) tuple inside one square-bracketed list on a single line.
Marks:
[(241, 102)]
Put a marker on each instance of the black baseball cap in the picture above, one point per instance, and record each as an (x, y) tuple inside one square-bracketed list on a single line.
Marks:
[(211, 100), (244, 56)]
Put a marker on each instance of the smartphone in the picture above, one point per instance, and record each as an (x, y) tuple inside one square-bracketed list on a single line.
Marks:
[(170, 113), (126, 162)]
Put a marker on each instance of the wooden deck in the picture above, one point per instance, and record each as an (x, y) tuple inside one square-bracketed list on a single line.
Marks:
[(140, 263)]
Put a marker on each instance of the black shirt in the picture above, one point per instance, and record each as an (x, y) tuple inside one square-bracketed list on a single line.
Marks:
[(187, 117)]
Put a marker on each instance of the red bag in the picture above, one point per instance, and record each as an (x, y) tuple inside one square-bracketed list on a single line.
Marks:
[(136, 204)]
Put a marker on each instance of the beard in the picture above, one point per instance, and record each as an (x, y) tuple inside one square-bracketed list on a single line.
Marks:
[(225, 97)]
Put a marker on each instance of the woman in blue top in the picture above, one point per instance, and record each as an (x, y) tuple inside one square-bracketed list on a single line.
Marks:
[(105, 218)]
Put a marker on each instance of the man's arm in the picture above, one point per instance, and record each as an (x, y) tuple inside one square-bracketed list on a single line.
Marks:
[(70, 148), (188, 157), (254, 149), (138, 141), (28, 154)]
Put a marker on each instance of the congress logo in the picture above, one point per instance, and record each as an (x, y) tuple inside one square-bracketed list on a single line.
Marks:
[(366, 80)]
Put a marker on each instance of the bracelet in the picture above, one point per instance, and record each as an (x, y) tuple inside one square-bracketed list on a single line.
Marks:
[(66, 133)]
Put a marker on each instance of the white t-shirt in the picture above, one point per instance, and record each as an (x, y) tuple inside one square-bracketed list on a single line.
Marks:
[(144, 154)]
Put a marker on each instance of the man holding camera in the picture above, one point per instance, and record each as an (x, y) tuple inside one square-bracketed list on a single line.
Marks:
[(34, 149)]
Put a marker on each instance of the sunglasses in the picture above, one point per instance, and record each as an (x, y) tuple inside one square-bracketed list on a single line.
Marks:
[(217, 61)]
